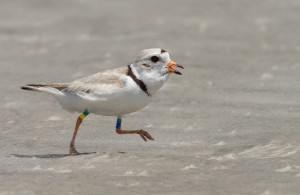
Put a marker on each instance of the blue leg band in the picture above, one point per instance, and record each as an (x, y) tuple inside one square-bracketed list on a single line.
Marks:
[(118, 125)]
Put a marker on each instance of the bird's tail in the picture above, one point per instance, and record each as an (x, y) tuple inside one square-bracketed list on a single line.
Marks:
[(50, 88)]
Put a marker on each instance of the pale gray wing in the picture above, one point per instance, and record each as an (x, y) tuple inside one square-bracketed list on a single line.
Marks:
[(100, 85)]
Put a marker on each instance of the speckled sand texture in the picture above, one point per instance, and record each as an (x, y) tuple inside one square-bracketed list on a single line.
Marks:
[(230, 125)]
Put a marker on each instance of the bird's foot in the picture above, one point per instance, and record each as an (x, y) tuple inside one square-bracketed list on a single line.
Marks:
[(145, 135), (73, 151)]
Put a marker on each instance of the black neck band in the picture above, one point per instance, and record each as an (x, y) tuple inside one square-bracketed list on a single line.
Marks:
[(139, 82)]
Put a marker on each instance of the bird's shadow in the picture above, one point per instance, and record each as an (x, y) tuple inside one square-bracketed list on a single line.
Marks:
[(49, 156), (53, 156)]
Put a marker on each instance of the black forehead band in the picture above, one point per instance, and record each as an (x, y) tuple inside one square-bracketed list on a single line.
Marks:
[(163, 51)]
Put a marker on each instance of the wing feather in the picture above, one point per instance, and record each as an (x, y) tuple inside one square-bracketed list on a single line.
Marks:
[(99, 86)]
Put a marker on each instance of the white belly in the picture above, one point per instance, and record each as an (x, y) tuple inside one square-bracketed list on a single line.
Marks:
[(127, 100), (121, 105)]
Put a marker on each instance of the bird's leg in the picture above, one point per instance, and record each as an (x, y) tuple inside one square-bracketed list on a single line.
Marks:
[(144, 134), (72, 149)]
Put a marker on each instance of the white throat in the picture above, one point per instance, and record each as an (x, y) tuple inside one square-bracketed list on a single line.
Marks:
[(153, 79)]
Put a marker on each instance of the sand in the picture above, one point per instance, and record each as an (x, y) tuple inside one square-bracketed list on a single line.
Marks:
[(229, 125)]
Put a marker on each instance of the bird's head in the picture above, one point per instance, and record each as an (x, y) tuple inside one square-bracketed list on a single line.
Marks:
[(156, 60)]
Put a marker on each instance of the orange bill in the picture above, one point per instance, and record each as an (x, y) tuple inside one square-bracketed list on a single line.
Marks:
[(172, 63)]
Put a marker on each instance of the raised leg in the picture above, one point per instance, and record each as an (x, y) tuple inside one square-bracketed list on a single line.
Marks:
[(144, 134), (72, 149)]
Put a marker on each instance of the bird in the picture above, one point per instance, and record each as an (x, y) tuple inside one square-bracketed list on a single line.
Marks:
[(115, 92)]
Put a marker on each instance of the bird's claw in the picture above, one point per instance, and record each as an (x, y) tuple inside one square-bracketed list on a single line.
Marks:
[(145, 135), (73, 151)]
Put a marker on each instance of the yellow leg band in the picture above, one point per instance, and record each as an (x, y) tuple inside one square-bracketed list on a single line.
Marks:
[(84, 114)]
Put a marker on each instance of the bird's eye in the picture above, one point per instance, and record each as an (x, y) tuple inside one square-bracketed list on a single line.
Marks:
[(154, 59)]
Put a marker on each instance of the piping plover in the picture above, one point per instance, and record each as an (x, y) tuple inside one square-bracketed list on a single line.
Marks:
[(114, 92)]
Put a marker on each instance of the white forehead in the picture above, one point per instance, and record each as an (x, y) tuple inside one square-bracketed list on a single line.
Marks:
[(165, 56), (147, 53)]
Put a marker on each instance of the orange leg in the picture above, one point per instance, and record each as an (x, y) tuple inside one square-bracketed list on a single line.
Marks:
[(72, 149), (144, 134)]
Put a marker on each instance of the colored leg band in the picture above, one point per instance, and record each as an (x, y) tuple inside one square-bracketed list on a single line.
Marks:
[(84, 114), (118, 125)]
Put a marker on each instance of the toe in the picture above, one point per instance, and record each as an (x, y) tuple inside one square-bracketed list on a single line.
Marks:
[(149, 136), (143, 137), (146, 135), (73, 152)]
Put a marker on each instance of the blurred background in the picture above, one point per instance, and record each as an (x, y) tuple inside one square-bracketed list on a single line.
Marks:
[(229, 125)]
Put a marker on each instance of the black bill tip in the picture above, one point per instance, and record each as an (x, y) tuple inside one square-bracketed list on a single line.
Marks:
[(179, 66), (177, 72)]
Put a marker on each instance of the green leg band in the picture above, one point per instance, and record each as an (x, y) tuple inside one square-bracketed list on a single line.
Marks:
[(84, 114)]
